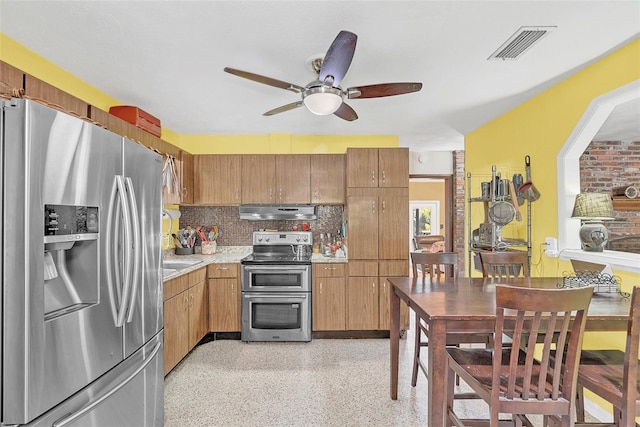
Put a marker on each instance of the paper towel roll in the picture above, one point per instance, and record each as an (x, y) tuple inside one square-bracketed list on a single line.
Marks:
[(171, 214)]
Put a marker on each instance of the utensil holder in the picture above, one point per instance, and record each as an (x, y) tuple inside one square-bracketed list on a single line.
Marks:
[(184, 251), (209, 248)]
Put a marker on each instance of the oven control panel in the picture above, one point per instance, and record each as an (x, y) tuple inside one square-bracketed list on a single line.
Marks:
[(282, 238)]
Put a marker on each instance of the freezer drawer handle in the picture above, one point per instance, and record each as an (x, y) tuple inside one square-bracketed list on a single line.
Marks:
[(74, 416)]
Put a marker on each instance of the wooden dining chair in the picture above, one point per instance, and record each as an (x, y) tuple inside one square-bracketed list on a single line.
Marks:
[(509, 379), (504, 265), (613, 374), (431, 262)]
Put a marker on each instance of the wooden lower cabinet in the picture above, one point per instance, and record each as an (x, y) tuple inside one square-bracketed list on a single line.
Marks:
[(388, 269), (362, 303), (176, 316), (329, 297), (185, 316), (368, 294), (225, 304)]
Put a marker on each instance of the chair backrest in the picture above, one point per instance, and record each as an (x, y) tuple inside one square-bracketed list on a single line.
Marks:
[(432, 261), (554, 317), (503, 265), (630, 376)]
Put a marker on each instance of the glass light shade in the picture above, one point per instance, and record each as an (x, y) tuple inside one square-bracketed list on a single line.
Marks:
[(322, 100)]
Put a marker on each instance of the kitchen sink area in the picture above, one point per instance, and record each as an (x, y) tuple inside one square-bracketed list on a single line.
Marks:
[(174, 265)]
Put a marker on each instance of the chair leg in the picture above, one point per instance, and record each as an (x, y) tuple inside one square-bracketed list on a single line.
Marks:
[(580, 404), (416, 352)]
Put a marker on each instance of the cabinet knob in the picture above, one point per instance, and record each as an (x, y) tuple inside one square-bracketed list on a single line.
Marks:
[(384, 177), (373, 176)]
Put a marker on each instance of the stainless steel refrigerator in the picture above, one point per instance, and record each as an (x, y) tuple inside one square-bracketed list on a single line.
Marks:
[(81, 300)]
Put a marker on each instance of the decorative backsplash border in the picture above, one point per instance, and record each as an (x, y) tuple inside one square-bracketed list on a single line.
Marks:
[(238, 232)]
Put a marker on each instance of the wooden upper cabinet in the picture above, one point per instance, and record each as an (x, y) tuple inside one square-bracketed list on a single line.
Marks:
[(327, 179), (36, 88), (393, 223), (362, 167), (11, 76), (186, 177), (378, 167), (393, 167), (293, 182), (217, 179), (362, 221), (258, 178)]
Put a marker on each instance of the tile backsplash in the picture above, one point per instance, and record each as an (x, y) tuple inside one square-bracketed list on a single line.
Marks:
[(238, 232)]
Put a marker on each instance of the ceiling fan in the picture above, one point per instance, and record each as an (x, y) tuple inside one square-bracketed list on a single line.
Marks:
[(324, 95)]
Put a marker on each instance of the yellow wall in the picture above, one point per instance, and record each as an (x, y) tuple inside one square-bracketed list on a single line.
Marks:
[(540, 128)]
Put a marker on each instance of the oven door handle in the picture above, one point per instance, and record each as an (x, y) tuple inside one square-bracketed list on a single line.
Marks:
[(275, 295)]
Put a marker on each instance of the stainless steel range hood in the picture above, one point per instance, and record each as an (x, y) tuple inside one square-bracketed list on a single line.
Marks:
[(290, 212)]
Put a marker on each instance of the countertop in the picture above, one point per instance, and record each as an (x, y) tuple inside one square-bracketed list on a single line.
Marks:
[(229, 254)]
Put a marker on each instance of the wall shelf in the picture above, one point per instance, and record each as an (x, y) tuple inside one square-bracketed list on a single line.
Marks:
[(626, 204)]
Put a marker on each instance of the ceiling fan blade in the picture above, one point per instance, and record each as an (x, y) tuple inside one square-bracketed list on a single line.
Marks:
[(338, 58), (265, 80), (346, 112), (382, 89), (284, 108)]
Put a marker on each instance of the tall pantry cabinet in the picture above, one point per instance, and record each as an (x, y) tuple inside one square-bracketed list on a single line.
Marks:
[(377, 232)]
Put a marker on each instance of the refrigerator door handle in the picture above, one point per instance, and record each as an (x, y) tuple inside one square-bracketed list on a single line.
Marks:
[(137, 248), (118, 202), (75, 415), (113, 284), (128, 264)]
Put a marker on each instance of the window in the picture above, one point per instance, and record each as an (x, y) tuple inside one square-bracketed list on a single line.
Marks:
[(569, 180)]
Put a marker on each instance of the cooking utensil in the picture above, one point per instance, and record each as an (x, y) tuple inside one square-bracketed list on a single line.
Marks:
[(528, 190), (502, 213), (514, 201), (518, 180), (176, 241)]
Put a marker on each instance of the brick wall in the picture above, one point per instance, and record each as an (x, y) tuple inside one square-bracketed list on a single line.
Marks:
[(605, 165), (458, 208)]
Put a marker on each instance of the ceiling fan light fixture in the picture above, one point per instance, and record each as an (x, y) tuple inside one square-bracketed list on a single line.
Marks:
[(322, 100)]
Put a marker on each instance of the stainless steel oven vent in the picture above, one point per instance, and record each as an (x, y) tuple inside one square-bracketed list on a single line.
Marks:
[(520, 41), (278, 212)]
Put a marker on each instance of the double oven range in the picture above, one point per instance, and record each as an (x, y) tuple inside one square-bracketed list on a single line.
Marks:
[(276, 287)]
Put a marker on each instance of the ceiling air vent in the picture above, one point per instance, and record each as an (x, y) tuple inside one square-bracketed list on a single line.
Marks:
[(518, 43)]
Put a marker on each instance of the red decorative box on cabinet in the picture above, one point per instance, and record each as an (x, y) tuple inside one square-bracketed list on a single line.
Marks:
[(138, 118)]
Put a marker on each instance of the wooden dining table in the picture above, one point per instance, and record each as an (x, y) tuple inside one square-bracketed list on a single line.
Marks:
[(468, 305)]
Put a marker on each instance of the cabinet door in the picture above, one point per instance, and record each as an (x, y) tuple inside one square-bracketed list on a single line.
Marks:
[(258, 178), (224, 305), (362, 303), (186, 177), (217, 179), (36, 88), (362, 167), (384, 313), (198, 322), (11, 76), (362, 234), (393, 224), (176, 318), (327, 179), (293, 178), (329, 306), (393, 167)]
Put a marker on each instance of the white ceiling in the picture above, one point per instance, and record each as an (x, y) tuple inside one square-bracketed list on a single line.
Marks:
[(167, 57)]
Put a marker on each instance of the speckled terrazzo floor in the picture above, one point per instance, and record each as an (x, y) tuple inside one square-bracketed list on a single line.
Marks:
[(325, 382)]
